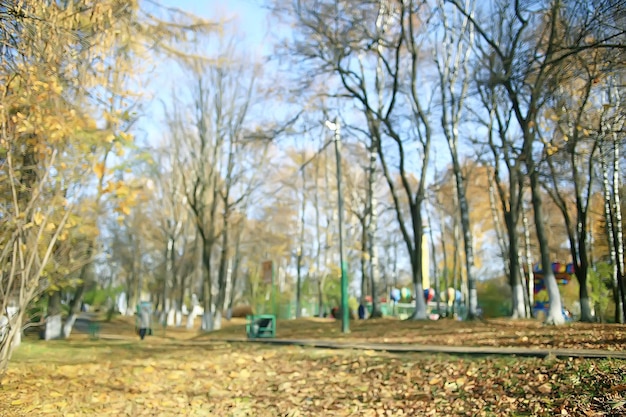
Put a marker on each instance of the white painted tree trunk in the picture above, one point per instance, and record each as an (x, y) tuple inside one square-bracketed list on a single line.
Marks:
[(69, 325), (420, 304), (586, 312), (191, 318), (207, 321), (555, 311), (11, 340), (519, 309), (178, 317), (17, 338), (217, 320), (170, 319)]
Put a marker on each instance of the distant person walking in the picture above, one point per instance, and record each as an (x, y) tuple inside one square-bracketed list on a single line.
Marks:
[(144, 320)]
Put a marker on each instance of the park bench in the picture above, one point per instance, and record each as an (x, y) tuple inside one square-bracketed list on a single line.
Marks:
[(261, 325), (94, 330)]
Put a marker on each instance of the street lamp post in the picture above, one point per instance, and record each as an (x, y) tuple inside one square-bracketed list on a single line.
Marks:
[(345, 317)]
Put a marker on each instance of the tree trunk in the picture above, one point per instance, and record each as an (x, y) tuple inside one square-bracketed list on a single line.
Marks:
[(300, 254), (11, 340), (229, 288), (519, 305), (610, 229), (169, 249), (221, 278), (74, 311), (235, 273), (555, 311), (180, 302), (434, 261), (456, 270), (618, 235), (318, 237), (207, 293), (529, 264), (363, 262), (77, 300), (582, 268), (372, 226), (586, 314), (420, 304), (416, 266), (446, 284)]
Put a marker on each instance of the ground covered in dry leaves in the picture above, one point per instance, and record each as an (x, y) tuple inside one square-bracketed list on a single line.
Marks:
[(178, 373), (497, 332)]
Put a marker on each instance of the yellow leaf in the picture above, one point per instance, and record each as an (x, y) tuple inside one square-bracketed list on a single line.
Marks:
[(450, 386), (126, 137), (38, 218), (124, 209), (16, 402), (50, 227), (99, 170), (174, 375), (122, 190), (434, 380)]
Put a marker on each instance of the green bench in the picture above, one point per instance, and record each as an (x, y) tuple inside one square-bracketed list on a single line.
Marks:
[(94, 330), (260, 325)]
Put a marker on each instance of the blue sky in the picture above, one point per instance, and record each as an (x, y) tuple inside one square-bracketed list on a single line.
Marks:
[(251, 17), (250, 21)]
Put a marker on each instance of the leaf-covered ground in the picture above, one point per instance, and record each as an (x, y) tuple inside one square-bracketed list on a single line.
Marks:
[(177, 372), (179, 378), (502, 332)]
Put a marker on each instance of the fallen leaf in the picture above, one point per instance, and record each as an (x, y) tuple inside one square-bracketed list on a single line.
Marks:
[(450, 386), (435, 380), (545, 388)]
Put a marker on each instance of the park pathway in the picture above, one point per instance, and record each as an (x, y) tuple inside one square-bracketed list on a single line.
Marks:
[(442, 349)]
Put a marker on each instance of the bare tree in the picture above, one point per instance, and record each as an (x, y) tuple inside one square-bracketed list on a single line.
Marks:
[(610, 124), (530, 44), (335, 38), (452, 60), (570, 160)]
